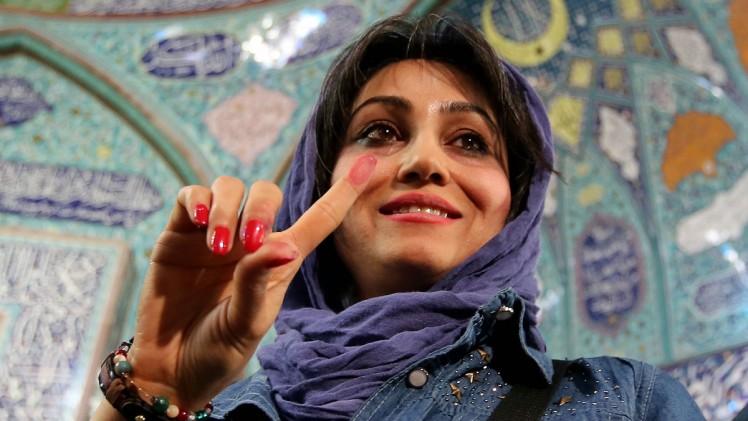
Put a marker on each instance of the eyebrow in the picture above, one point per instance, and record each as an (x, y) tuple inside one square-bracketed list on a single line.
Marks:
[(395, 101), (449, 107), (468, 107)]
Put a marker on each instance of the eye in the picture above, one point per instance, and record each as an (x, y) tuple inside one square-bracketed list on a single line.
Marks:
[(472, 143), (376, 134)]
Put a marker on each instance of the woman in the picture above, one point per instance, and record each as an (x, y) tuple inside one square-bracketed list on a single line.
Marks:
[(410, 229)]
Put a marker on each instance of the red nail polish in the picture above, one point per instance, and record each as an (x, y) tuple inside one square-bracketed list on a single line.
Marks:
[(362, 169), (253, 235), (220, 240), (201, 215)]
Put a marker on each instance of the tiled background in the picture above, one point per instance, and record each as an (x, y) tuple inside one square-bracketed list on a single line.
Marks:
[(107, 107)]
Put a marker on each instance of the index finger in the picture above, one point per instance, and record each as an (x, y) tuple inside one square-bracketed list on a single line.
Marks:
[(326, 214)]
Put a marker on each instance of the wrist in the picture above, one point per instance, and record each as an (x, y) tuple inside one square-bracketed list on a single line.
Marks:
[(133, 400)]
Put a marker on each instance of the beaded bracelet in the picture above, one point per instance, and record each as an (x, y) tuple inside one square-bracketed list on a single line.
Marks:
[(132, 401)]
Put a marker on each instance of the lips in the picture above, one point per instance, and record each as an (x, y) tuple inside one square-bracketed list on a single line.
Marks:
[(420, 203)]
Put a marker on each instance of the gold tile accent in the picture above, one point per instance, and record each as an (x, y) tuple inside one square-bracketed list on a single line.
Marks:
[(631, 9), (610, 41), (613, 78), (581, 73), (566, 113)]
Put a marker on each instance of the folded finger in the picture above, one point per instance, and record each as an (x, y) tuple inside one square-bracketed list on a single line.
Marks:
[(227, 195), (192, 208), (263, 201)]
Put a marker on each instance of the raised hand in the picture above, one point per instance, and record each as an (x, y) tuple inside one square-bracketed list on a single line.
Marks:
[(208, 300)]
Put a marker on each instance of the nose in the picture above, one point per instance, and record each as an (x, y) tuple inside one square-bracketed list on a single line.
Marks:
[(424, 161)]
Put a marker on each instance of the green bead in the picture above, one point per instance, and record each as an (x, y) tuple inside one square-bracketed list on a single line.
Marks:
[(199, 415), (160, 404), (122, 367)]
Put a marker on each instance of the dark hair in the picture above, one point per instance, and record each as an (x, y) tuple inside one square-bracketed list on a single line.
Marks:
[(444, 39)]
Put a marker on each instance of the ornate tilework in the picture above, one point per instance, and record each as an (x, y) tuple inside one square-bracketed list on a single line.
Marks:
[(71, 193), (193, 56), (611, 281), (615, 91), (19, 101), (63, 293), (340, 23), (127, 7), (248, 124), (717, 382)]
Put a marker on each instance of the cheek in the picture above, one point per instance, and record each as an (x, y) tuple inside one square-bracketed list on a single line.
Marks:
[(352, 234), (493, 196)]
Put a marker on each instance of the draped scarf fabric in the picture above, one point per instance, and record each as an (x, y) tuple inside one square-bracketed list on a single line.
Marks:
[(325, 364)]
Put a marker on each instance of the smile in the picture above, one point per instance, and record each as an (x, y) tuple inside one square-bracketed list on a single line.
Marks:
[(419, 209), (426, 205)]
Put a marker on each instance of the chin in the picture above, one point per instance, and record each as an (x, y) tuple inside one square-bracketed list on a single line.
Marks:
[(420, 271)]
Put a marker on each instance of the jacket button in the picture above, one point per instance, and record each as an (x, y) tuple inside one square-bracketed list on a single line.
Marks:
[(505, 313), (417, 378)]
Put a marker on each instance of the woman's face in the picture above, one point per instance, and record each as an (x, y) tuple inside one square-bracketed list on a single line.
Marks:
[(440, 189)]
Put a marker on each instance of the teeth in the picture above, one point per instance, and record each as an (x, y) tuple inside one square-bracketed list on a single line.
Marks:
[(418, 209)]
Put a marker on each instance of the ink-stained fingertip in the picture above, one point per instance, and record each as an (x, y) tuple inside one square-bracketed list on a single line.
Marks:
[(362, 169)]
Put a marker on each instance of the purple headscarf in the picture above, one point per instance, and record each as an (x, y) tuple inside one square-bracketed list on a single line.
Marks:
[(324, 364)]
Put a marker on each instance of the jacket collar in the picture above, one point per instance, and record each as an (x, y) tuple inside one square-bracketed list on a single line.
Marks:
[(499, 324)]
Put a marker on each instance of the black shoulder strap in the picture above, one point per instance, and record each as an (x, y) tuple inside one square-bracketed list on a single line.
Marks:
[(529, 403)]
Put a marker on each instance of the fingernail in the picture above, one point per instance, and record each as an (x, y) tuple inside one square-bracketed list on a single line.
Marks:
[(253, 235), (362, 169), (201, 215), (220, 240)]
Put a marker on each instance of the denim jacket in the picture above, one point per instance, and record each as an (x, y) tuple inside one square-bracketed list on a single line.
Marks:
[(468, 380)]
